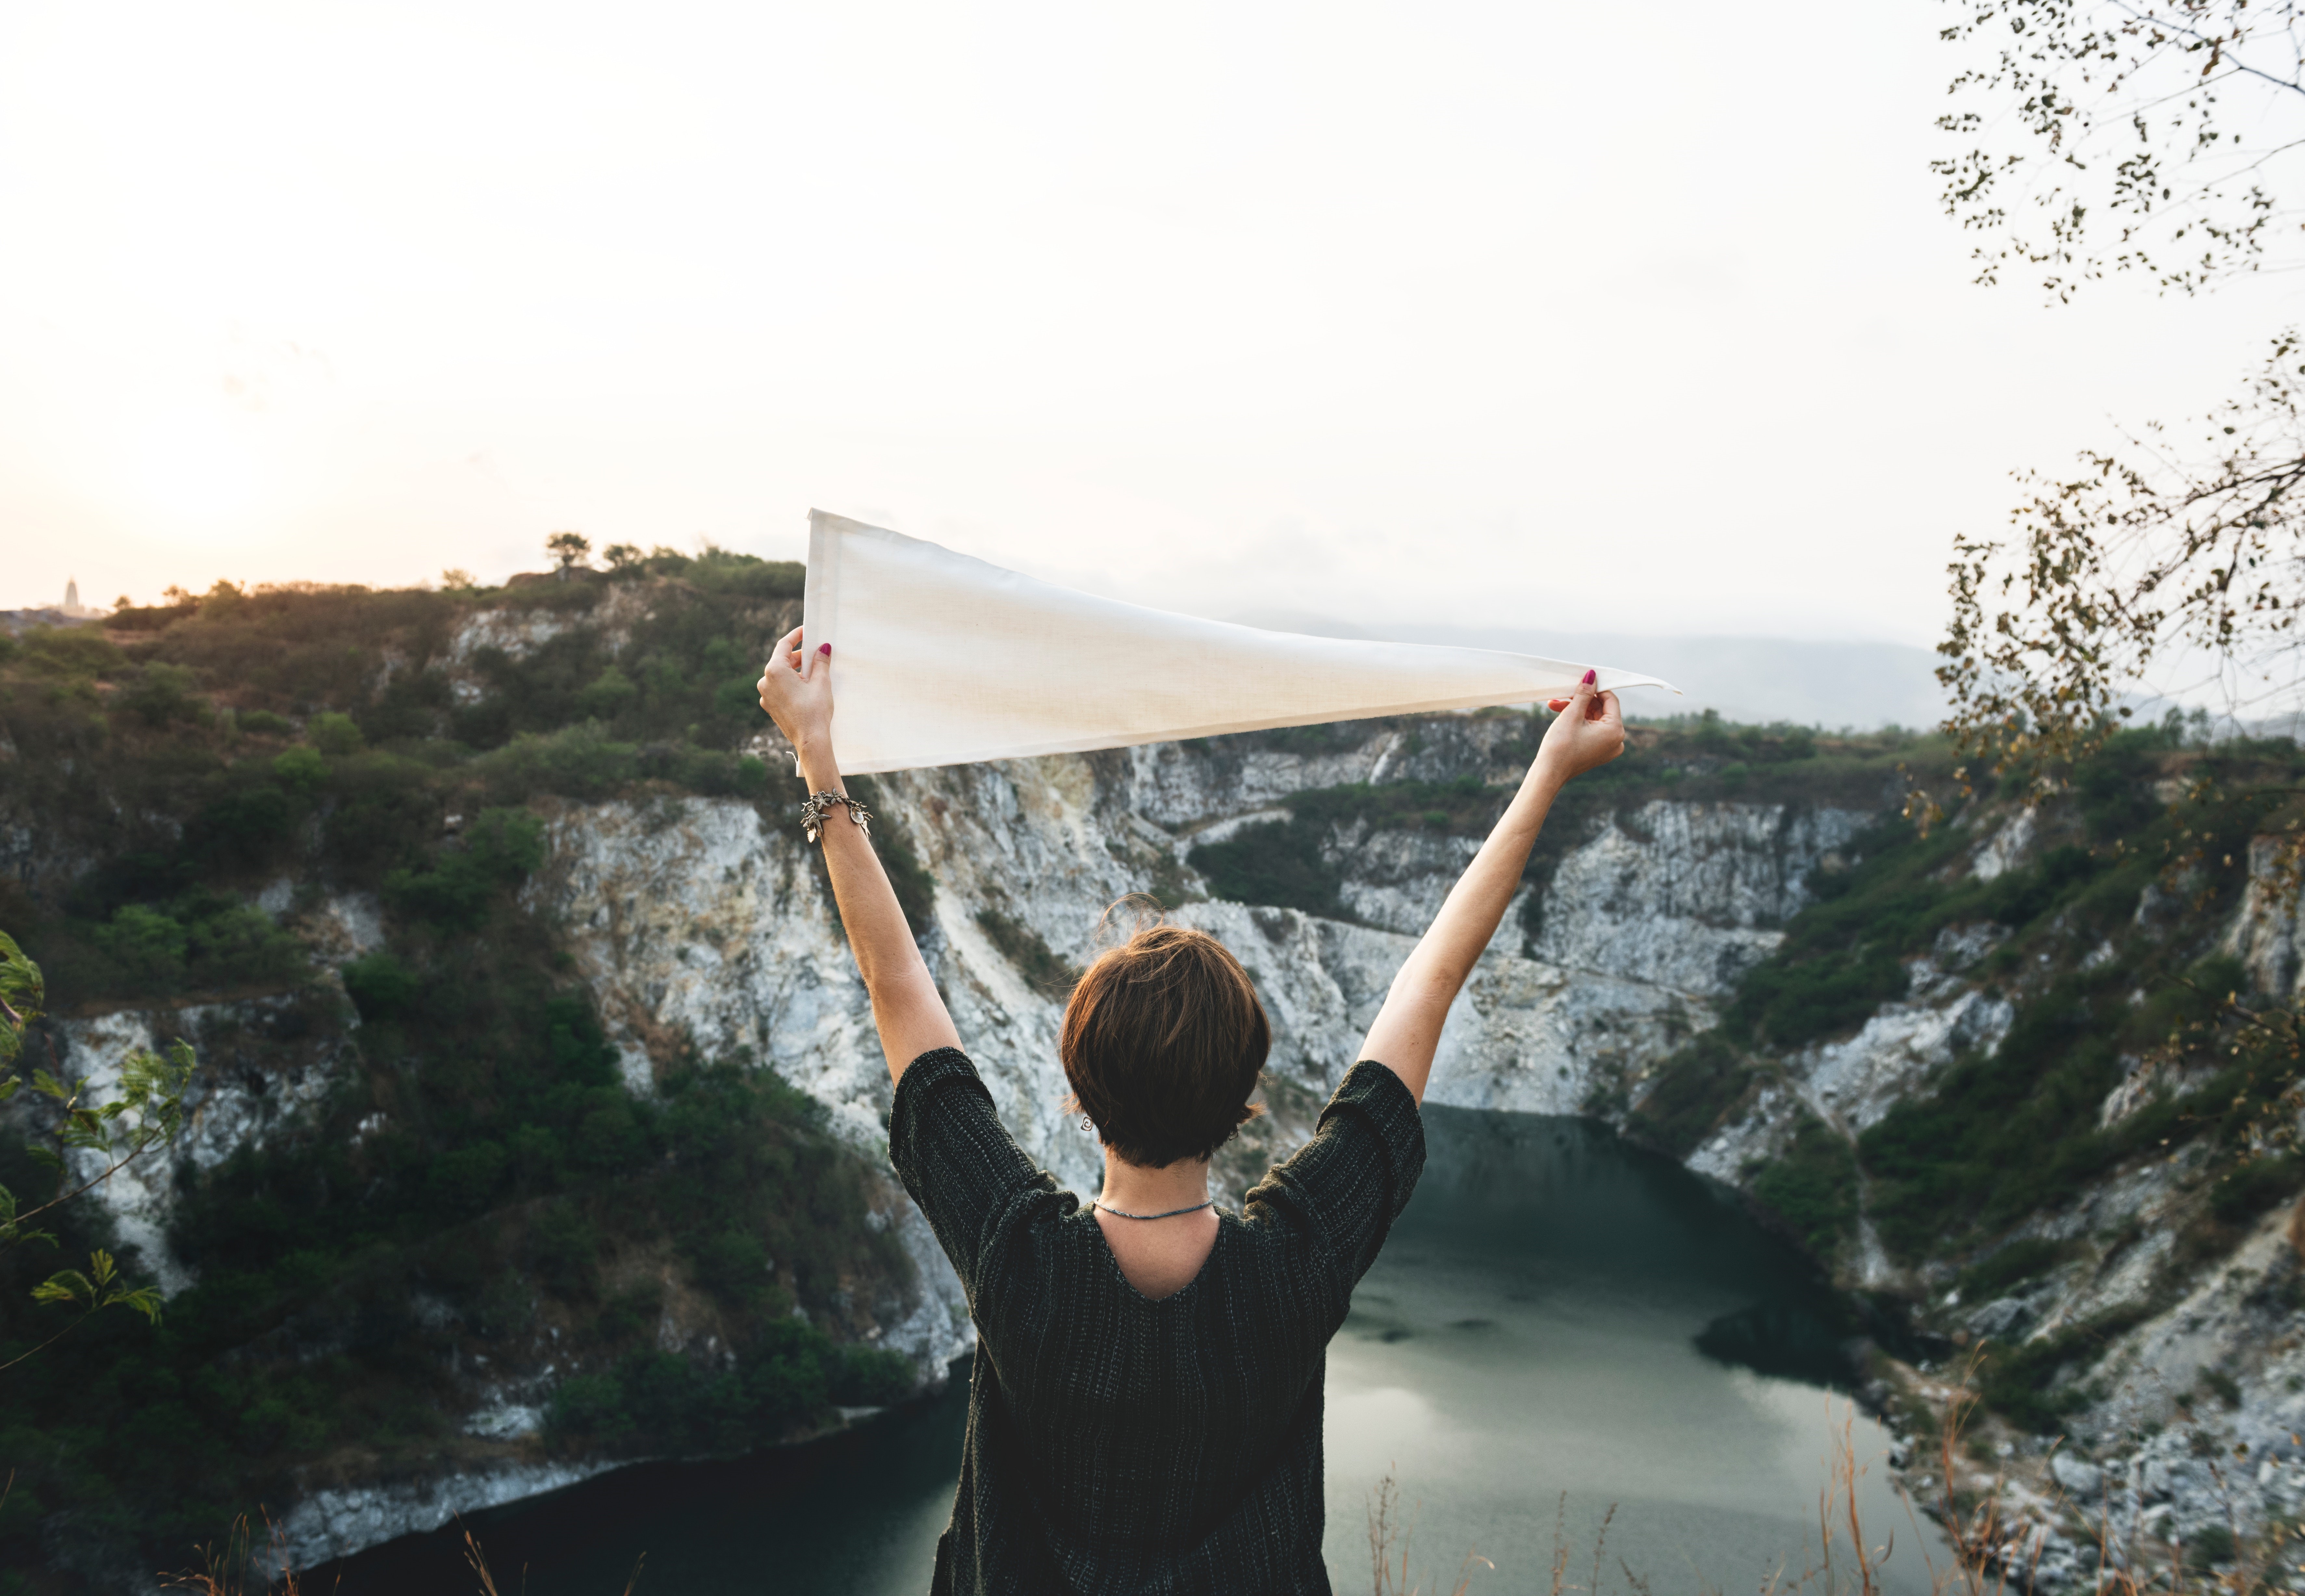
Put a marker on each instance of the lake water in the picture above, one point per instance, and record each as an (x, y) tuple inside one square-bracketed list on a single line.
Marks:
[(1524, 1356)]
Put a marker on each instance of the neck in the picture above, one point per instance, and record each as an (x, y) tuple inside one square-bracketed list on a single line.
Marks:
[(1134, 1189)]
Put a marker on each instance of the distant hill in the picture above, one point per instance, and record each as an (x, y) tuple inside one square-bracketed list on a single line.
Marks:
[(1751, 679), (14, 621)]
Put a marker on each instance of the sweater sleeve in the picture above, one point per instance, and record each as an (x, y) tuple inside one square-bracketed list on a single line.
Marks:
[(1346, 1186), (958, 1162)]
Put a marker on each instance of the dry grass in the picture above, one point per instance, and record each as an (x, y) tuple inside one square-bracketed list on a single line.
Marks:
[(1995, 1551), (1992, 1552), (478, 1561), (228, 1570), (1388, 1538)]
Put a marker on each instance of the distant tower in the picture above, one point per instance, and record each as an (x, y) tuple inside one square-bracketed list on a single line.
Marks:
[(71, 605)]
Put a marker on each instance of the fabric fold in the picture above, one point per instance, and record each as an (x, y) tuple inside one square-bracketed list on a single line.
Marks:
[(940, 658)]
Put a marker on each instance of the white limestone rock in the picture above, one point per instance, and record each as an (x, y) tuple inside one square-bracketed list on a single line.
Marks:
[(1687, 896), (1896, 1051)]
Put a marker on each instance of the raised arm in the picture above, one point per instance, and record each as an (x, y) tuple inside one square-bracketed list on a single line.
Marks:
[(796, 690), (1590, 731)]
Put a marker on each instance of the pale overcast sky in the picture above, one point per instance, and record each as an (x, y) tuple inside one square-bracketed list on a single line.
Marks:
[(1603, 319)]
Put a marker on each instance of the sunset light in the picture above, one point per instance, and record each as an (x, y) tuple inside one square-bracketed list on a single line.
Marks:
[(194, 475)]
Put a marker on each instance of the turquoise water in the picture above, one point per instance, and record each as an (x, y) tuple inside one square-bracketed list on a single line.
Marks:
[(1524, 1357)]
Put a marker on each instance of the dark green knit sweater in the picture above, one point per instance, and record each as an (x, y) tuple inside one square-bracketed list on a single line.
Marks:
[(1118, 1444)]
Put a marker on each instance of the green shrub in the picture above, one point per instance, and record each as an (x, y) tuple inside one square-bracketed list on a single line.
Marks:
[(630, 1313), (565, 1246), (608, 694), (160, 693), (149, 946), (463, 1180), (201, 940), (381, 986), (498, 851), (871, 1376), (2212, 1545), (745, 575), (590, 1405), (1812, 1187), (1277, 862), (242, 828), (235, 945), (2019, 1260), (2017, 1380), (2249, 1188), (577, 761), (338, 737), (71, 651), (1691, 1091), (783, 1379), (1022, 945), (300, 770), (1789, 1004), (264, 723)]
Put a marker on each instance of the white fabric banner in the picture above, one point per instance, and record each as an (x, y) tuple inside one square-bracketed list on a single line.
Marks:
[(941, 659)]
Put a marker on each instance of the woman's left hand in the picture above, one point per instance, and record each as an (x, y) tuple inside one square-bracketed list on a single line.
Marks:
[(795, 689)]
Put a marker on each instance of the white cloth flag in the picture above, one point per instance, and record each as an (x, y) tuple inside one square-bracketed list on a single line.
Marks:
[(941, 659)]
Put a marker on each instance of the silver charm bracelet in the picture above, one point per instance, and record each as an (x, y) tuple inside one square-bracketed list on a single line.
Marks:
[(818, 805)]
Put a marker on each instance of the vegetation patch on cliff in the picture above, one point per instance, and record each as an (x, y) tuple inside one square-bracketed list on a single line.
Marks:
[(479, 1188)]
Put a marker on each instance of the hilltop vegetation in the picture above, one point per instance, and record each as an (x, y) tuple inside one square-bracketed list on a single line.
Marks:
[(478, 1176)]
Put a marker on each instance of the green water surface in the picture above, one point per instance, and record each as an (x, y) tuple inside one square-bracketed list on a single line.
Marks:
[(1524, 1357)]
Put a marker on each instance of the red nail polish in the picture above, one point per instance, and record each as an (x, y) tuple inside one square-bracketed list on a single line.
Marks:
[(824, 647), (1591, 677)]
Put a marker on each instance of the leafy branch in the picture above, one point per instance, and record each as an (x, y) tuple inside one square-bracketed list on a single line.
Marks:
[(2119, 123), (2146, 569), (91, 1292), (146, 1111)]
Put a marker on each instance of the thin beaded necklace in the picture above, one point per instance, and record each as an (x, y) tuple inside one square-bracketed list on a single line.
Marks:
[(1172, 1213)]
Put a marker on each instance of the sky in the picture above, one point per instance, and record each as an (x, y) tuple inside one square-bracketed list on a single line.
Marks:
[(1639, 320)]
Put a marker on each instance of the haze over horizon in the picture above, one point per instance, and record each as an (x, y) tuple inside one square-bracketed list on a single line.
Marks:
[(1376, 315)]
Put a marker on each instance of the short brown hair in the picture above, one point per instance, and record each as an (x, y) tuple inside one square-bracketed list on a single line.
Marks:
[(1162, 1042)]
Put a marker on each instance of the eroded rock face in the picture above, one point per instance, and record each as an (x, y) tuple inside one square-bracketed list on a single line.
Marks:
[(707, 925), (1688, 895), (336, 1521), (700, 923), (2267, 935), (266, 1063)]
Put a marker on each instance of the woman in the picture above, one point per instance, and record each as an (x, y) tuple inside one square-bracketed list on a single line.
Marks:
[(1145, 1410)]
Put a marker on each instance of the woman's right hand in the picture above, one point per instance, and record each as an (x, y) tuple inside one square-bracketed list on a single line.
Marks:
[(795, 689), (1588, 730)]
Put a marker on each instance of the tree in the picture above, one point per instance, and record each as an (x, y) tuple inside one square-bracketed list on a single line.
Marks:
[(2126, 136), (2155, 567), (2162, 565), (148, 1113), (569, 548), (2109, 141), (624, 559)]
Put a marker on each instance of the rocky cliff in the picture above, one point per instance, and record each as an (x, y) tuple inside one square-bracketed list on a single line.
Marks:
[(1674, 965)]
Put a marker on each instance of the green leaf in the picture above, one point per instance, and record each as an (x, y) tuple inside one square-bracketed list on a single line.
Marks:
[(22, 995), (144, 1300), (65, 1286)]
